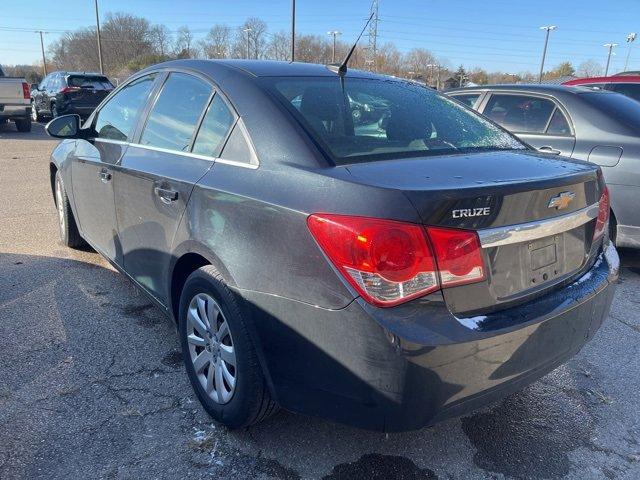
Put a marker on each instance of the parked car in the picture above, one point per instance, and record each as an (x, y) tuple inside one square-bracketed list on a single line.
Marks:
[(597, 126), (385, 281), (625, 84), (14, 101), (62, 93)]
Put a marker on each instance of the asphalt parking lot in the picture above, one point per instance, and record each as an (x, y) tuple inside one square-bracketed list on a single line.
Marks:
[(92, 385)]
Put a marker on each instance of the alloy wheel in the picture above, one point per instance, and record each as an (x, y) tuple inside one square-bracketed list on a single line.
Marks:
[(60, 204), (211, 348)]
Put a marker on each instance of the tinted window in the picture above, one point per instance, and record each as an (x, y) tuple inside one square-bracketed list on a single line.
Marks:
[(631, 90), (174, 116), (558, 124), (93, 82), (215, 126), (409, 120), (520, 113), (117, 119), (619, 108), (468, 99)]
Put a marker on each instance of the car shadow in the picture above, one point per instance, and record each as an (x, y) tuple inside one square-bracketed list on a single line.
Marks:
[(8, 131)]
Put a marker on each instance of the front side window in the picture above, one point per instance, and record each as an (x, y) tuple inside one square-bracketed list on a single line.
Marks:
[(174, 117), (117, 119), (213, 131), (520, 113), (401, 119), (469, 99)]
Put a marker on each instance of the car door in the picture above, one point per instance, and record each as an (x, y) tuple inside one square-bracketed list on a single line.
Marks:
[(155, 178), (94, 160), (538, 120)]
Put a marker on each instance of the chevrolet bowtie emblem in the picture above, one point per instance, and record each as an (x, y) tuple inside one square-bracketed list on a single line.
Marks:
[(561, 200)]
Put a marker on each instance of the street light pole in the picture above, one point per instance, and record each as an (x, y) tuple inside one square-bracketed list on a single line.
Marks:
[(98, 37), (610, 46), (44, 60), (431, 67), (247, 30), (293, 30), (630, 39), (548, 28), (333, 54)]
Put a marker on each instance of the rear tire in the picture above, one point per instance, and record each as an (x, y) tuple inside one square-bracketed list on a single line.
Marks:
[(206, 297), (24, 125), (69, 234)]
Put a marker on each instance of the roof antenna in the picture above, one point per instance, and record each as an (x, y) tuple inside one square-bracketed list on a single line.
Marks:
[(342, 68)]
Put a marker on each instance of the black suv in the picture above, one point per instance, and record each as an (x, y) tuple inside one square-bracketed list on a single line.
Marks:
[(62, 93)]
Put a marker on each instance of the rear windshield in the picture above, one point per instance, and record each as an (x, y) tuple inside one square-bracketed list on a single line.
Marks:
[(619, 107), (376, 119), (94, 82)]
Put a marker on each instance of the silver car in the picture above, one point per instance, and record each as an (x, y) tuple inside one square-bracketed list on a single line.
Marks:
[(598, 126)]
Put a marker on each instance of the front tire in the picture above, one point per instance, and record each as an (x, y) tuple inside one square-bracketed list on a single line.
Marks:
[(24, 125), (69, 234), (219, 354)]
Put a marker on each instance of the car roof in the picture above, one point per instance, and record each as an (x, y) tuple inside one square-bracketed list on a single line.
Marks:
[(263, 68), (612, 79)]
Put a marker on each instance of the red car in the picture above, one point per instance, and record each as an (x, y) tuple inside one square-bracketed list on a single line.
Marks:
[(628, 85)]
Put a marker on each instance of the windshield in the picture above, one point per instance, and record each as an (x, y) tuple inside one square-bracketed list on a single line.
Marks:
[(377, 119), (623, 109)]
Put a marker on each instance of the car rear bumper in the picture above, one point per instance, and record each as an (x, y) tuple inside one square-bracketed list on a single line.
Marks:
[(416, 364), (15, 111)]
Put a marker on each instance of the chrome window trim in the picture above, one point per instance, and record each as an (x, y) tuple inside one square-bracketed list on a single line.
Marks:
[(193, 155), (526, 232)]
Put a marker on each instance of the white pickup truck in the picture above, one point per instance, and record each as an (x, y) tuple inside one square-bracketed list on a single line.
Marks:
[(15, 103)]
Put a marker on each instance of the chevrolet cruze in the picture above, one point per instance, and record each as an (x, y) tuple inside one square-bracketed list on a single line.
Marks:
[(386, 275)]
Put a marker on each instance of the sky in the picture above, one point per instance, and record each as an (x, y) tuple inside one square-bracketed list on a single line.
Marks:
[(498, 35)]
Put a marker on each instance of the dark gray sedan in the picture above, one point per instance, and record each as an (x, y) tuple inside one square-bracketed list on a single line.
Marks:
[(383, 274), (598, 126)]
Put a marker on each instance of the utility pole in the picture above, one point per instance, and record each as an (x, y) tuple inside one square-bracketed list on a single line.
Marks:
[(544, 52), (293, 30), (373, 35), (333, 54), (44, 60), (98, 36), (630, 39), (610, 46), (247, 31)]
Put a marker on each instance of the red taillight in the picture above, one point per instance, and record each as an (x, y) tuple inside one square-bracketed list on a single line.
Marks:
[(390, 262), (69, 89), (603, 214), (26, 91), (459, 256)]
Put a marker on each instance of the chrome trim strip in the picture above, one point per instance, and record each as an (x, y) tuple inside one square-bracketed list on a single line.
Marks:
[(526, 232)]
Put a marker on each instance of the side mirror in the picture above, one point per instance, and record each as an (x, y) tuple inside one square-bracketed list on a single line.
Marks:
[(66, 126), (35, 87)]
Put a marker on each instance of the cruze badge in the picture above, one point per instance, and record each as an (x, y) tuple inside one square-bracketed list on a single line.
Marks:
[(561, 200), (471, 212)]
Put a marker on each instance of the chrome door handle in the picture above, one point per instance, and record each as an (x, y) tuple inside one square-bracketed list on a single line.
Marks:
[(548, 149), (166, 195), (104, 176)]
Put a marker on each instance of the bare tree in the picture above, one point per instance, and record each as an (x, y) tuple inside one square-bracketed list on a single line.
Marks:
[(217, 43), (417, 63), (183, 47), (160, 39), (251, 36), (589, 68), (279, 47)]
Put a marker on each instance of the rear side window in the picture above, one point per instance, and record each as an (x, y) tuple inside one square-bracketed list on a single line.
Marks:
[(631, 90), (469, 99), (520, 113), (116, 120), (237, 148), (558, 124), (93, 82), (174, 117), (213, 131)]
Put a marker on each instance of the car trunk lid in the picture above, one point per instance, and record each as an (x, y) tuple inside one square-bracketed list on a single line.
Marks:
[(534, 214)]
